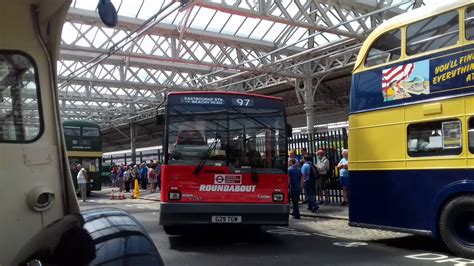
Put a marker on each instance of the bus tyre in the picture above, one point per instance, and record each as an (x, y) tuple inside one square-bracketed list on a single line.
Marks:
[(456, 226), (172, 230)]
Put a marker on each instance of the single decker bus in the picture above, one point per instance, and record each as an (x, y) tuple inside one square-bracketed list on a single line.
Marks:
[(84, 147), (411, 126), (225, 160)]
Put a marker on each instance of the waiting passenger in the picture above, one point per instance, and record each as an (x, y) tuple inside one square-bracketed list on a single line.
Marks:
[(127, 177), (152, 179), (82, 182), (323, 168), (304, 153), (309, 173), (292, 155), (343, 167), (295, 187)]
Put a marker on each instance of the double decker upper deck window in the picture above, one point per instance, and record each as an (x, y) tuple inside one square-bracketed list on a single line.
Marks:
[(20, 116), (469, 23), (385, 49), (90, 132), (433, 33)]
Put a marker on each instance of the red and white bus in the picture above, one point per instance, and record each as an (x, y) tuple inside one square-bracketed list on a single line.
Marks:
[(225, 160)]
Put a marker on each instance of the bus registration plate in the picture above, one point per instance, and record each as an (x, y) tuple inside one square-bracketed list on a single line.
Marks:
[(227, 219)]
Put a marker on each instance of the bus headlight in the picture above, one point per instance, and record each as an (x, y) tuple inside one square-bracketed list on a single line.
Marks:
[(174, 195), (278, 197)]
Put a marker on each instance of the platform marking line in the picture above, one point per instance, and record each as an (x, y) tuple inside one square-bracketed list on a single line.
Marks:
[(350, 244), (324, 235)]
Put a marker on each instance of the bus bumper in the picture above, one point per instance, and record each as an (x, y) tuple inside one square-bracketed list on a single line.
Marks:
[(201, 213)]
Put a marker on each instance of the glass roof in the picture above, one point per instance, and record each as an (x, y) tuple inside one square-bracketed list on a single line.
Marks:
[(256, 28), (246, 32), (211, 20)]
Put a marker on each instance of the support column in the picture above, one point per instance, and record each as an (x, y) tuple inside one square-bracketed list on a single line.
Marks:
[(133, 134), (309, 105), (310, 88), (310, 115)]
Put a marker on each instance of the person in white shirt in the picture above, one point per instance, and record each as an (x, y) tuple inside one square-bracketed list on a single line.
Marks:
[(82, 182), (323, 168)]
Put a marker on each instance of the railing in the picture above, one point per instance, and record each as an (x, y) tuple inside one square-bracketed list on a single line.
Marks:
[(331, 141)]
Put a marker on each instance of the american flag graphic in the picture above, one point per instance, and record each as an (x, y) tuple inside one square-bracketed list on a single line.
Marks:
[(396, 74)]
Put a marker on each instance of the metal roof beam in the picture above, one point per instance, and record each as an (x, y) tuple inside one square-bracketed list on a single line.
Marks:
[(84, 54), (362, 6), (76, 15)]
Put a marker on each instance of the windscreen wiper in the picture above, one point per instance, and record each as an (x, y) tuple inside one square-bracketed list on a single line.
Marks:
[(253, 170), (212, 147), (253, 157)]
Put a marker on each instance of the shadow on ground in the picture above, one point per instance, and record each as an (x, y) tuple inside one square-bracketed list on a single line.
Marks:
[(203, 238)]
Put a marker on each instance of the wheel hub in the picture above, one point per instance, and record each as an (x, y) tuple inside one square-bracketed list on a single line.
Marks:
[(464, 227)]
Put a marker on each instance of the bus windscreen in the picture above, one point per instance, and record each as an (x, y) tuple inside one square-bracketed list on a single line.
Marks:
[(243, 137)]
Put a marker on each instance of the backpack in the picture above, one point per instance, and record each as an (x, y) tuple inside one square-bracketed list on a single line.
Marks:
[(313, 173)]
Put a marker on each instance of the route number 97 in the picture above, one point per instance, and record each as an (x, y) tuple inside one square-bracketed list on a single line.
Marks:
[(242, 102)]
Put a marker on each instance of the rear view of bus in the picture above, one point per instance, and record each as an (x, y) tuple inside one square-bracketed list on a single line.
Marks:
[(226, 160), (84, 147)]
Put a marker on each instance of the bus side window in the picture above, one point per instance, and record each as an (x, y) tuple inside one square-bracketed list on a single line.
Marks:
[(385, 49), (435, 138), (433, 33), (469, 22), (20, 116), (471, 134)]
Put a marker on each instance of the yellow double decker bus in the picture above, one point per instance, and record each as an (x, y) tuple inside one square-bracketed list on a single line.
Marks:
[(411, 126)]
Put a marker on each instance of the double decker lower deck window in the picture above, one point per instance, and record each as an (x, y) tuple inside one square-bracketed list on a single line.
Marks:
[(471, 134), (435, 138)]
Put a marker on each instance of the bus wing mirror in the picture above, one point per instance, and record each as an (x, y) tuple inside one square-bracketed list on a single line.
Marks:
[(107, 13)]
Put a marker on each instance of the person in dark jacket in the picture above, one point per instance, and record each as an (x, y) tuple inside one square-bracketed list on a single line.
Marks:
[(144, 176), (309, 172), (295, 186)]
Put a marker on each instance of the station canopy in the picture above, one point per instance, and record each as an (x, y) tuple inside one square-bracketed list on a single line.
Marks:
[(119, 75)]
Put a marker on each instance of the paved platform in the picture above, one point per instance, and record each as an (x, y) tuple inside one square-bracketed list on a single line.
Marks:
[(329, 221), (331, 211)]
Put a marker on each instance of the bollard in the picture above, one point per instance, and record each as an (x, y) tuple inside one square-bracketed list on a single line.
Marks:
[(136, 190)]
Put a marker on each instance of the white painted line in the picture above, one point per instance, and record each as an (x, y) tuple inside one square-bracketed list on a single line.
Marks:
[(323, 235), (440, 258), (287, 231), (128, 205), (350, 244)]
